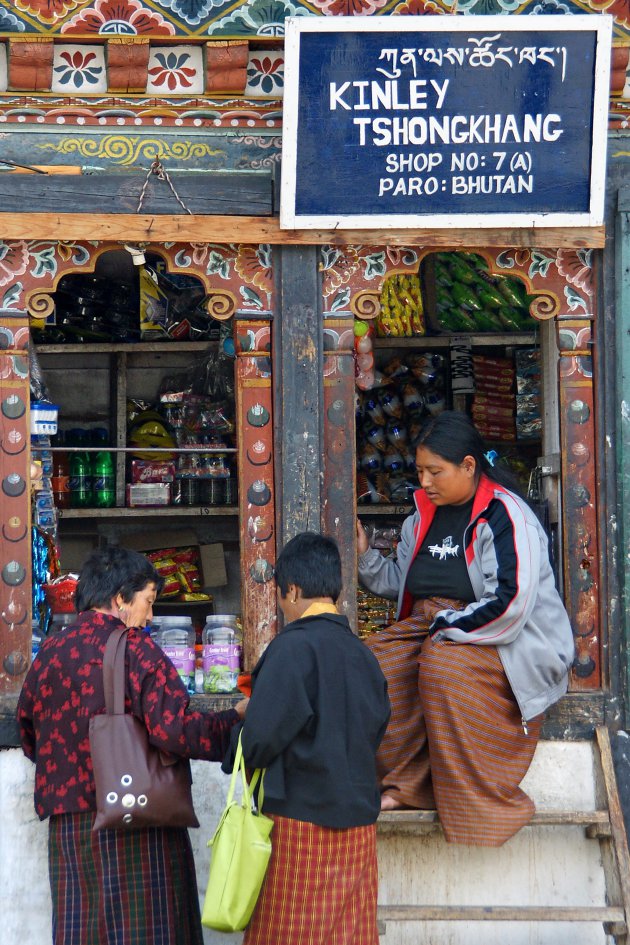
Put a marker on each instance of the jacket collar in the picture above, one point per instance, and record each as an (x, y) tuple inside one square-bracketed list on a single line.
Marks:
[(484, 494)]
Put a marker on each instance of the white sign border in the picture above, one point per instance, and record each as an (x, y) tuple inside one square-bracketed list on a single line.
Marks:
[(600, 24)]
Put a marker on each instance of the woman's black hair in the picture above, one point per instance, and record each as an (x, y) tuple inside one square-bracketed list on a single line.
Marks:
[(312, 562), (110, 572), (452, 435)]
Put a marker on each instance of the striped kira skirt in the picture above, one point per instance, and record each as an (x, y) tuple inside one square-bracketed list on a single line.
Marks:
[(320, 888), (456, 740), (116, 888)]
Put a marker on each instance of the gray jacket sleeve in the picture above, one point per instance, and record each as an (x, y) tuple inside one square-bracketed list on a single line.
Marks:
[(384, 576)]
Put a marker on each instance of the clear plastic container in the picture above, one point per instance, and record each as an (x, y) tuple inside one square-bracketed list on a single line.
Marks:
[(221, 654), (176, 637)]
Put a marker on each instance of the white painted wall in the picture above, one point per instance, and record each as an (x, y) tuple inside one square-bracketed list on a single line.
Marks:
[(540, 866)]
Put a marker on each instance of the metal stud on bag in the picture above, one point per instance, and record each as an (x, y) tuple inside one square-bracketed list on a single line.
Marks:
[(112, 797), (128, 800), (126, 780)]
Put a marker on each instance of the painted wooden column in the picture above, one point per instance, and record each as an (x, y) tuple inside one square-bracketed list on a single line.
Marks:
[(255, 426), (339, 435), (579, 506), (298, 387), (622, 306), (15, 503)]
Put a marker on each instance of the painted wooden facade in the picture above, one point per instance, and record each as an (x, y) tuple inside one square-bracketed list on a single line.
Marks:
[(101, 86)]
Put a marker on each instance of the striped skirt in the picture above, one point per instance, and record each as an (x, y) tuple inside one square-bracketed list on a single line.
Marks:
[(320, 888), (456, 740), (116, 888)]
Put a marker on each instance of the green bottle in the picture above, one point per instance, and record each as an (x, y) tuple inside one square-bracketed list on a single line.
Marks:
[(80, 481), (103, 480)]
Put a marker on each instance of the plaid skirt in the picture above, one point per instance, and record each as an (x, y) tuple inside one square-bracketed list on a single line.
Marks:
[(456, 740), (116, 888), (320, 888)]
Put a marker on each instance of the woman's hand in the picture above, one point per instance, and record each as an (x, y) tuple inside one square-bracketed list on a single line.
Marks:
[(362, 539), (241, 707)]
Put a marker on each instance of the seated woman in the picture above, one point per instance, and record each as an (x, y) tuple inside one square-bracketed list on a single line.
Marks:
[(113, 886), (481, 646), (318, 711)]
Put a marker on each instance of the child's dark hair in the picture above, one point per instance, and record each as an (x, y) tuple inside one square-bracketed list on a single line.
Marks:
[(452, 435), (312, 562), (110, 572)]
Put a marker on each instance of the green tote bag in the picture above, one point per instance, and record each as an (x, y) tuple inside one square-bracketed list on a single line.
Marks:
[(241, 848)]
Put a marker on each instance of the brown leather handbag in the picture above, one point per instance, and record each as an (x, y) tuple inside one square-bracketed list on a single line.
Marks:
[(137, 785)]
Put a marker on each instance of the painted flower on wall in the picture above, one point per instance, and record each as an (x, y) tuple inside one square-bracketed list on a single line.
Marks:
[(47, 11), (77, 69), (172, 71), (620, 9), (575, 266), (254, 265), (417, 8), (119, 17), (13, 260), (349, 7), (192, 12), (265, 74)]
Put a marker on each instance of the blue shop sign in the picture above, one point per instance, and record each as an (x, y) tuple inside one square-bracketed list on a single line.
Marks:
[(447, 121)]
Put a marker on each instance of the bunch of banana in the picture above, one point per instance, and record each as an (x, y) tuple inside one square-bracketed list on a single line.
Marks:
[(402, 311), (469, 298)]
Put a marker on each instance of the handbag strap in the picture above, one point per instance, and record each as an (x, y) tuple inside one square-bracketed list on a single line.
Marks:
[(248, 789), (114, 671)]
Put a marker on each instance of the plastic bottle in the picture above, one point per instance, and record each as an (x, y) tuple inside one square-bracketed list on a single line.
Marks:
[(103, 480), (60, 478), (80, 481), (176, 637), (222, 650)]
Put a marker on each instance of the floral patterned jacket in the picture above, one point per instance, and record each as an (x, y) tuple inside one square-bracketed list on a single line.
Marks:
[(63, 689)]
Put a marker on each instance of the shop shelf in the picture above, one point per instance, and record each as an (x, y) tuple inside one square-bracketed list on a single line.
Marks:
[(170, 511), (444, 341)]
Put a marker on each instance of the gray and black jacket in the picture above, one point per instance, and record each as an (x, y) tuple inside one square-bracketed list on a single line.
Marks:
[(518, 608)]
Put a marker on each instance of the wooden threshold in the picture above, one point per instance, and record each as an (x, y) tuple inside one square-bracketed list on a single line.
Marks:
[(404, 913), (131, 227), (412, 821)]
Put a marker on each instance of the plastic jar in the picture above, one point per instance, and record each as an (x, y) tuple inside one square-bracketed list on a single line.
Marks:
[(221, 654), (176, 637)]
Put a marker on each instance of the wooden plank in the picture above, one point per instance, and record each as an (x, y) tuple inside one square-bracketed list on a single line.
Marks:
[(225, 192), (129, 227), (404, 913), (298, 346), (619, 837), (542, 818)]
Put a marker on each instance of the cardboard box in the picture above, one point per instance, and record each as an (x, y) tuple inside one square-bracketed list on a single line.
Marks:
[(143, 494), (211, 556)]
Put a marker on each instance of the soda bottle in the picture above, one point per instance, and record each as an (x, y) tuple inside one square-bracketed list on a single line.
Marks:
[(103, 480), (80, 481), (60, 480)]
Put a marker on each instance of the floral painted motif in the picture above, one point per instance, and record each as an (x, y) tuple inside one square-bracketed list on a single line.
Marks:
[(77, 68), (119, 17), (338, 267), (349, 7), (620, 9), (576, 267), (265, 74), (13, 260), (10, 23), (417, 8), (47, 11), (257, 17), (192, 12), (172, 71), (254, 266)]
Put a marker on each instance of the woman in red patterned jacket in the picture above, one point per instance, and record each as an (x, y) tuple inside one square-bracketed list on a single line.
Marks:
[(111, 887)]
